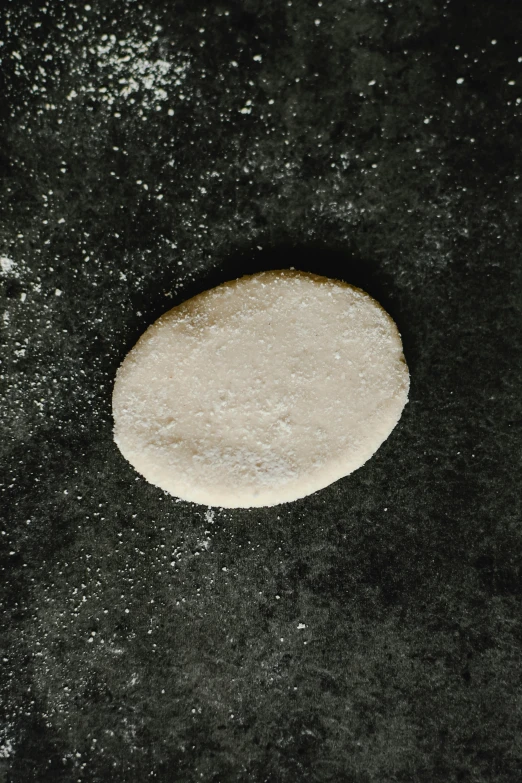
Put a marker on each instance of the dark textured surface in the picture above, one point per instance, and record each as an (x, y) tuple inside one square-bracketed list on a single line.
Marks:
[(145, 638)]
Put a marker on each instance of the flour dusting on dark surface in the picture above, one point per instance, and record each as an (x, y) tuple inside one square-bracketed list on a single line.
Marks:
[(370, 632)]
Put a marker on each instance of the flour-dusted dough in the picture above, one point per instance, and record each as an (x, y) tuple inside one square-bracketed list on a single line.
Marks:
[(260, 391)]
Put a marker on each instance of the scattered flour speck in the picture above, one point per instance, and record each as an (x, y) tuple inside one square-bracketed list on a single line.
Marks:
[(7, 265), (6, 744)]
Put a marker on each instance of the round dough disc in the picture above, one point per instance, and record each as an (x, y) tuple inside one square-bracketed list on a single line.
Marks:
[(260, 391)]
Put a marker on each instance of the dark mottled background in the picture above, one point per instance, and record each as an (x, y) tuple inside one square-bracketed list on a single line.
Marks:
[(370, 633)]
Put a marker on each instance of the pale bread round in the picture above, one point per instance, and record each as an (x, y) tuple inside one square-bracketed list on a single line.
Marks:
[(260, 391)]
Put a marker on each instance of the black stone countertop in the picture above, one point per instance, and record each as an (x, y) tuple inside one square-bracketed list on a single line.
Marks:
[(370, 633)]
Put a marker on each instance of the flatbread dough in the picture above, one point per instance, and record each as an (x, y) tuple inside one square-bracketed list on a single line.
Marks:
[(260, 391)]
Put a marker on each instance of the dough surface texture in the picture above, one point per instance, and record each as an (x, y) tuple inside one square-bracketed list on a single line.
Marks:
[(260, 391)]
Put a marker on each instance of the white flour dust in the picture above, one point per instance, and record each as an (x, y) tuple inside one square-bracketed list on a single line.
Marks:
[(129, 72)]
